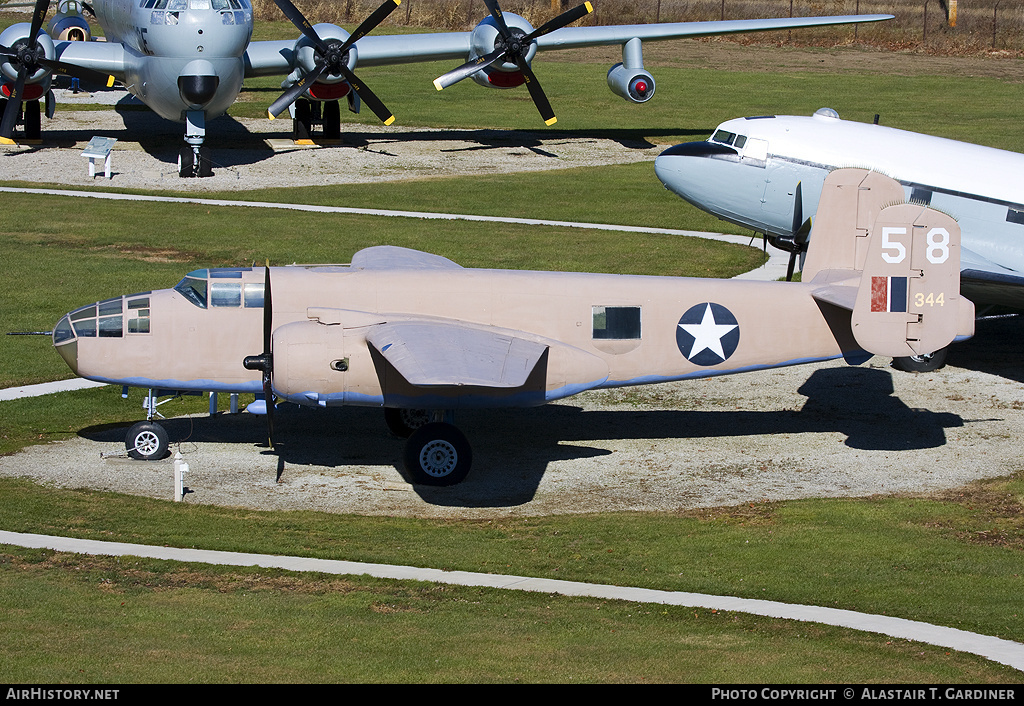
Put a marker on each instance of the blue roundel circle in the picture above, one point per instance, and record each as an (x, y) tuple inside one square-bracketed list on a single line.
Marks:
[(707, 334)]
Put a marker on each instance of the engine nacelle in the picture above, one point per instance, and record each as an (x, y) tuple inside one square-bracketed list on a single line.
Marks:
[(16, 37), (68, 25), (486, 38), (635, 85), (305, 54)]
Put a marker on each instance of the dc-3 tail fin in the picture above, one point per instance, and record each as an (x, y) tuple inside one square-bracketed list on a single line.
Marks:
[(894, 266)]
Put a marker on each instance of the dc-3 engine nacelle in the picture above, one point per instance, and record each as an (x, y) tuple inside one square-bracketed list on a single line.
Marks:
[(635, 85), (16, 37), (485, 40)]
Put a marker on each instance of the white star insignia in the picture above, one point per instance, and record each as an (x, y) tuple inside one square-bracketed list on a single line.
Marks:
[(707, 335)]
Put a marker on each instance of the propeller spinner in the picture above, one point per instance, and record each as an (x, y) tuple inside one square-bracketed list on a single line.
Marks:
[(511, 47), (332, 58)]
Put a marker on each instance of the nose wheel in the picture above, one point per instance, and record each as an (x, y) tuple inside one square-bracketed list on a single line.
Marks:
[(194, 161), (147, 441)]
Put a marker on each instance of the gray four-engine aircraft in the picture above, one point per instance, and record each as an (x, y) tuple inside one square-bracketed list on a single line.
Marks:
[(420, 336), (766, 173), (187, 59)]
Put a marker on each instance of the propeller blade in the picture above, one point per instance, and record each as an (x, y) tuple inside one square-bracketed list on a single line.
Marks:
[(289, 96), (566, 18), (371, 22), (299, 20), (10, 118), (492, 7), (368, 97), (467, 69), (38, 15), (537, 93)]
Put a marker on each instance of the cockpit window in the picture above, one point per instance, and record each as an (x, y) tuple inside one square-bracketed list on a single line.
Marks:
[(723, 136), (193, 289), (729, 138)]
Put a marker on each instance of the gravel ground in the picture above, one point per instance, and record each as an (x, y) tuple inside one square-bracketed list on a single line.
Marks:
[(145, 156), (823, 430)]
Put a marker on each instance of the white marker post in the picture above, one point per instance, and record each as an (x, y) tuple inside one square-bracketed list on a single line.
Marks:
[(180, 469)]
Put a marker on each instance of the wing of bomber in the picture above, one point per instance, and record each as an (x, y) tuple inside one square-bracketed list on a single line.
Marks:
[(429, 353)]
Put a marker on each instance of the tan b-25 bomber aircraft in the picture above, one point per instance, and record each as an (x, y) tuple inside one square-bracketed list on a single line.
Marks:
[(421, 336)]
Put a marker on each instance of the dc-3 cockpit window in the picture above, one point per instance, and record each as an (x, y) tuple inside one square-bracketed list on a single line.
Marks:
[(617, 323), (725, 137)]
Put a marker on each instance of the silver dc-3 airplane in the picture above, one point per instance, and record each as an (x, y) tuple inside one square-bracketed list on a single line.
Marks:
[(187, 59), (766, 173), (421, 336)]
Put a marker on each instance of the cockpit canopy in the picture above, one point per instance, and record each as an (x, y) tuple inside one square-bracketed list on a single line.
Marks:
[(221, 287)]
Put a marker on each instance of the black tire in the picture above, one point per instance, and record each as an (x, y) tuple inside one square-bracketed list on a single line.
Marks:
[(438, 454), (32, 121), (303, 122), (186, 162), (205, 163), (403, 422), (147, 441), (921, 363), (332, 120)]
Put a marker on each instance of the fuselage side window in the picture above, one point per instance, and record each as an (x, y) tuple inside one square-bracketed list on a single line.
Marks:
[(1014, 216), (138, 315), (225, 293), (616, 323), (254, 295)]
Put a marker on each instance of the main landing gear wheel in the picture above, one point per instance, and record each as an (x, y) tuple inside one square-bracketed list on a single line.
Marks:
[(147, 441), (403, 422), (438, 454), (921, 363)]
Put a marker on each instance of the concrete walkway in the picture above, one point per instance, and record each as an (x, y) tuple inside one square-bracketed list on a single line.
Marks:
[(1003, 651)]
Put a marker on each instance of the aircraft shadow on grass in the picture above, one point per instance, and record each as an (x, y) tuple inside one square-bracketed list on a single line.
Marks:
[(514, 447)]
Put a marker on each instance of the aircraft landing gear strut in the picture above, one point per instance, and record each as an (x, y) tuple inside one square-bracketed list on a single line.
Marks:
[(194, 156)]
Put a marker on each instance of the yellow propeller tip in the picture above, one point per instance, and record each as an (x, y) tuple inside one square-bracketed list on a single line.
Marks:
[(389, 120), (7, 141), (110, 81), (590, 8), (270, 115), (552, 121), (437, 84)]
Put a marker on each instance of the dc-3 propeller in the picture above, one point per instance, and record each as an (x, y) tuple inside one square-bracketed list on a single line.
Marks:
[(28, 56), (265, 361), (511, 47), (332, 58)]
